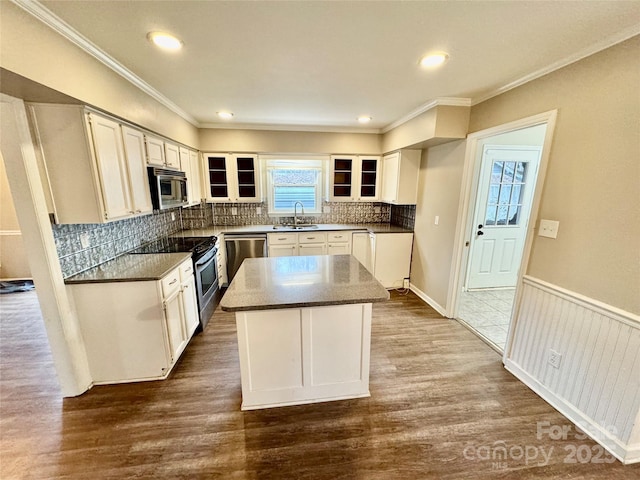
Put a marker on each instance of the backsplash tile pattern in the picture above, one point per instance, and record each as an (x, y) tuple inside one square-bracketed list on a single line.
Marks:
[(199, 216), (107, 241), (403, 216), (364, 212)]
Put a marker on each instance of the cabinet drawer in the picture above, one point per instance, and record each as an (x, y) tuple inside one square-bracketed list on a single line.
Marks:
[(338, 237), (186, 270), (318, 237), (282, 238), (171, 283)]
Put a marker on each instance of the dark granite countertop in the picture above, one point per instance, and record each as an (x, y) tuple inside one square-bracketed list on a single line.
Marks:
[(298, 282), (323, 227), (131, 268)]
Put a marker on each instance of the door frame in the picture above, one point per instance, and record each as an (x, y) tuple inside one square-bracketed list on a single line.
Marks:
[(464, 222)]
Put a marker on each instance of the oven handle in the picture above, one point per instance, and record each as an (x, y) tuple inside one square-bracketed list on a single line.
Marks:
[(206, 258)]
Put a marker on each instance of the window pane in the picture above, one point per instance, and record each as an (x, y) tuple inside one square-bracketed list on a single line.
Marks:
[(514, 214), (502, 215), (496, 172), (491, 215), (216, 163), (493, 193), (507, 174), (245, 163), (521, 170), (505, 194), (286, 196), (516, 194)]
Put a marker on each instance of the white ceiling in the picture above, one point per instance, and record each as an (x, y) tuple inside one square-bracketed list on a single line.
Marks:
[(322, 64)]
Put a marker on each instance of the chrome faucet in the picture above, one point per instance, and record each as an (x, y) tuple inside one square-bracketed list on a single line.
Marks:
[(295, 212)]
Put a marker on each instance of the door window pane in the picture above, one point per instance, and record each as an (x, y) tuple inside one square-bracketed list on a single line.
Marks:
[(506, 188)]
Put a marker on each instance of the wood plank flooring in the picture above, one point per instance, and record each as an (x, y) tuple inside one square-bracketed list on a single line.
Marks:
[(441, 407)]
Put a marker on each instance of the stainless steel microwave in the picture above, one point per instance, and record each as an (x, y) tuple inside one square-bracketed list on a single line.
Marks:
[(168, 188)]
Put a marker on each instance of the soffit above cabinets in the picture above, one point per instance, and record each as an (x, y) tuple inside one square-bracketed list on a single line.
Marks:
[(320, 65)]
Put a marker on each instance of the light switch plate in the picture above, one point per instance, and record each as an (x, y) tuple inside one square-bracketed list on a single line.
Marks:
[(436, 221), (84, 240), (548, 228), (326, 209), (234, 210), (258, 210)]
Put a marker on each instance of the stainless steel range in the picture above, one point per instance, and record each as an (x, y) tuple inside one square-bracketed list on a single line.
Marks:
[(204, 251)]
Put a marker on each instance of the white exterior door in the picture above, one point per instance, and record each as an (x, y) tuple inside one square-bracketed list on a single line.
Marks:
[(505, 189)]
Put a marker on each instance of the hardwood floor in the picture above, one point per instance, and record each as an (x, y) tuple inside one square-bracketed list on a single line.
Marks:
[(441, 405)]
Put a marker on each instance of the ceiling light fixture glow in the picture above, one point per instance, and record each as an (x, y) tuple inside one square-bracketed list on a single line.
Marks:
[(364, 119), (225, 115), (434, 59), (165, 41)]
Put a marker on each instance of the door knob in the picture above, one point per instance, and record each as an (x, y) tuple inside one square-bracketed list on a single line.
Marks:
[(479, 232), (480, 227)]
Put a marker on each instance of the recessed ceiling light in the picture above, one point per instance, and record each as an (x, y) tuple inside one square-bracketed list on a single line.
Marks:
[(225, 115), (434, 59), (364, 119), (164, 40)]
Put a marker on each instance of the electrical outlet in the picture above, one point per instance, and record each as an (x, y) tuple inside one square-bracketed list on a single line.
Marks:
[(376, 210), (234, 210), (436, 221), (258, 210), (548, 228), (326, 209), (406, 283), (84, 240), (554, 358), (173, 216)]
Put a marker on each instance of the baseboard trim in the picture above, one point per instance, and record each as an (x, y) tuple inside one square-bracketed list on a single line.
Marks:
[(430, 301), (622, 452)]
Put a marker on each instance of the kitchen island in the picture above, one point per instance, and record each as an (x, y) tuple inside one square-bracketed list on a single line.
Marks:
[(304, 328)]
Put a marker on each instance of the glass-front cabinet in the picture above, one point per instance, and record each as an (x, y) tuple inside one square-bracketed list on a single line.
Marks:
[(354, 178), (232, 178)]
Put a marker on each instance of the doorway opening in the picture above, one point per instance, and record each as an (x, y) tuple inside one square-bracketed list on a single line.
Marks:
[(505, 169)]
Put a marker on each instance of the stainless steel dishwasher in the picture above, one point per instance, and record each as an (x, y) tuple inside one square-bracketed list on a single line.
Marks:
[(241, 246)]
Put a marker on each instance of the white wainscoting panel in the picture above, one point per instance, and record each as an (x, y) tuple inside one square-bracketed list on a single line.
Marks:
[(597, 384)]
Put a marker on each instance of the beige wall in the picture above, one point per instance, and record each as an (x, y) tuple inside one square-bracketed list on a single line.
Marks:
[(33, 50), (13, 257), (593, 180), (439, 184), (261, 141)]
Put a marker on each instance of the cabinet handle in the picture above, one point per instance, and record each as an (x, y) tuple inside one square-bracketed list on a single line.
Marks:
[(282, 238), (131, 212), (338, 236), (174, 281), (138, 211), (311, 238)]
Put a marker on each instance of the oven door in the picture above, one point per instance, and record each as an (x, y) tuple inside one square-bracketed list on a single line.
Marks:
[(206, 272)]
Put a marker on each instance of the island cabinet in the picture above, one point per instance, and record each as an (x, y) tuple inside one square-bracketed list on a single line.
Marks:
[(136, 330), (400, 177), (304, 328), (232, 178), (96, 167), (354, 178)]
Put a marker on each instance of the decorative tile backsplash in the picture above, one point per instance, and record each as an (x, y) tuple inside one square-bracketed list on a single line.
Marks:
[(403, 216), (107, 241), (246, 214)]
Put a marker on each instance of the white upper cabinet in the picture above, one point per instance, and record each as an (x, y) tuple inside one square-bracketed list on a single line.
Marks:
[(155, 151), (354, 178), (232, 177), (137, 167), (400, 177), (171, 156), (92, 179), (190, 166)]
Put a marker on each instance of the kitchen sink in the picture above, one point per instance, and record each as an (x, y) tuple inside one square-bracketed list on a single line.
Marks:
[(299, 226)]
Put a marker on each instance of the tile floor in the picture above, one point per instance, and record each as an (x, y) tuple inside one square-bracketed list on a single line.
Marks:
[(488, 312)]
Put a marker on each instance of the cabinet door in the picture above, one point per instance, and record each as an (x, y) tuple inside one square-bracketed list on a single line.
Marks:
[(390, 174), (363, 249), (173, 315), (339, 249), (246, 179), (195, 182), (312, 249), (369, 177), (341, 179), (190, 305), (172, 156), (112, 171), (155, 151), (137, 169), (217, 168), (185, 166), (283, 250)]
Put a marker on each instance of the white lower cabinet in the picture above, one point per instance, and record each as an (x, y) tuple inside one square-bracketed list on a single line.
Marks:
[(309, 243), (136, 330), (386, 255)]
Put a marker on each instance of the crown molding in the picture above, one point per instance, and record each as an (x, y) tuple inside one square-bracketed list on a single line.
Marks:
[(40, 12), (289, 128), (445, 101), (591, 50)]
